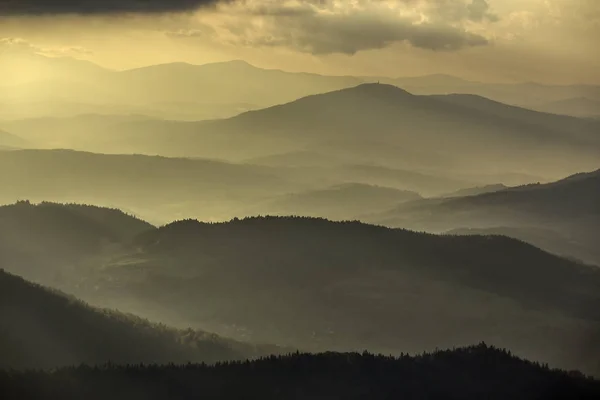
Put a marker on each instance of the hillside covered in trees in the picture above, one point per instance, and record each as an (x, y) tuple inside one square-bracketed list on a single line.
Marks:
[(339, 285), (477, 372), (42, 328), (44, 242)]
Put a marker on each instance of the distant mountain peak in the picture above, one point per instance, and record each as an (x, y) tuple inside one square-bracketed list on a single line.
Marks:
[(380, 88), (236, 63)]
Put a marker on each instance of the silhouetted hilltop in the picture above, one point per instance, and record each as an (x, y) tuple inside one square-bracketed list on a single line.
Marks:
[(573, 196), (40, 328), (466, 373), (377, 113), (344, 201), (481, 262), (44, 241), (226, 82), (442, 133), (64, 85), (578, 128), (570, 206), (339, 286), (349, 285), (545, 238)]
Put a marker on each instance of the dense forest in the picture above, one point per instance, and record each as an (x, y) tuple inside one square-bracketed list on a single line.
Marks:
[(477, 372)]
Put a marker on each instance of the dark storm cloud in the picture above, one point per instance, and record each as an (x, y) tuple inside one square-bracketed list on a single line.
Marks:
[(92, 7)]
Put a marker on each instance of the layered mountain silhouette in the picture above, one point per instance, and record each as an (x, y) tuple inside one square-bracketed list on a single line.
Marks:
[(569, 206), (339, 202), (50, 242), (466, 373), (549, 239), (66, 86), (438, 133), (42, 328), (341, 286), (158, 188)]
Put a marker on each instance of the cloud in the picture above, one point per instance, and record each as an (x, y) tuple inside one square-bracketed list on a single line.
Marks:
[(16, 46), (94, 7), (479, 10), (347, 27)]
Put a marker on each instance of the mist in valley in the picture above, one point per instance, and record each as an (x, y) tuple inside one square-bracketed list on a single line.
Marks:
[(240, 208)]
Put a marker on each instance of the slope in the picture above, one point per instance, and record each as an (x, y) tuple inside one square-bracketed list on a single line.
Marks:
[(40, 328)]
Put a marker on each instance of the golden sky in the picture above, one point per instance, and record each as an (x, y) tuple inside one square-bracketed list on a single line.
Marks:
[(551, 41)]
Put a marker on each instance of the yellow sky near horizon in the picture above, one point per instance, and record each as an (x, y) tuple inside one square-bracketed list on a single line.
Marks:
[(549, 41)]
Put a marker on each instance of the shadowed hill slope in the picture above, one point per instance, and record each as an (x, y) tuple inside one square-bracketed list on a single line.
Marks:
[(40, 328), (42, 242)]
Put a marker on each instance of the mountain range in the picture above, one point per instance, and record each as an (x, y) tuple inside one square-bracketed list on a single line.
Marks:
[(66, 86), (370, 123), (339, 285), (568, 207)]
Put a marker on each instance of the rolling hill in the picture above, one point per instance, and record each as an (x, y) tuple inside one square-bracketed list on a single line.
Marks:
[(349, 286), (66, 86), (41, 328), (51, 243), (339, 202), (569, 206), (548, 239), (441, 135), (338, 286), (157, 188), (473, 372)]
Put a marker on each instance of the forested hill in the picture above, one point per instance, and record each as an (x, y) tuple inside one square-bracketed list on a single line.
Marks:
[(41, 328), (42, 241), (312, 248), (478, 372)]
